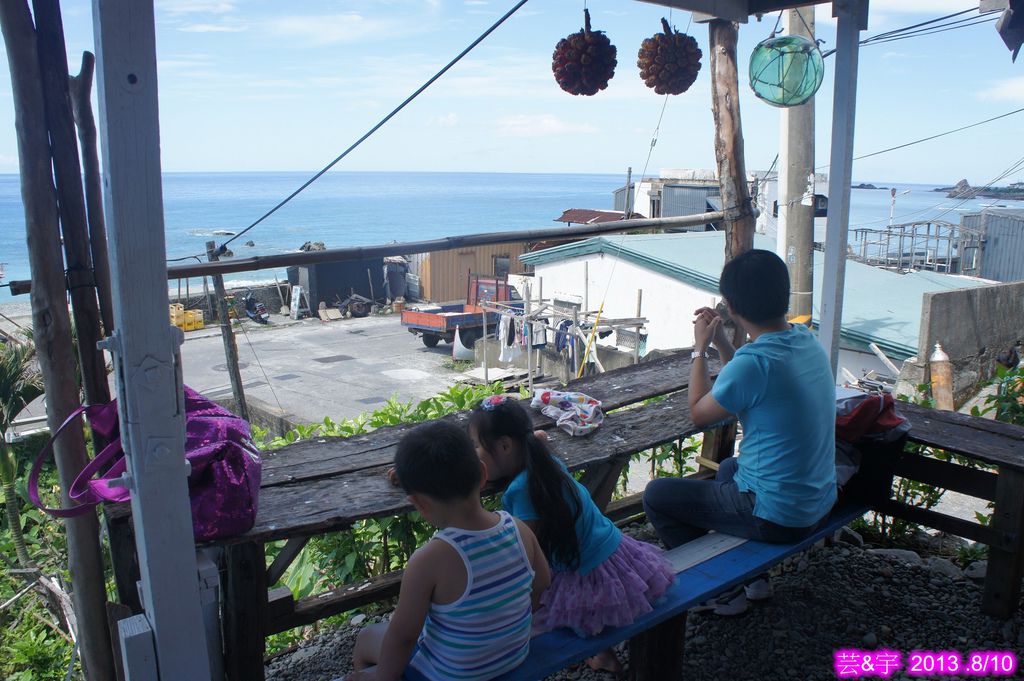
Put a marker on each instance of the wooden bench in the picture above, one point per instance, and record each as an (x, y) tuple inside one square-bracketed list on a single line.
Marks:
[(325, 484), (657, 638)]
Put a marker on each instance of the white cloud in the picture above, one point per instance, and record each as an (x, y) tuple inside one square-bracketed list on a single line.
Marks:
[(196, 6), (330, 29), (540, 125), (477, 2), (447, 121), (212, 28), (1009, 90)]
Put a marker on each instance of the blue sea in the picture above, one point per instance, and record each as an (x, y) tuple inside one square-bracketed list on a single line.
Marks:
[(360, 208)]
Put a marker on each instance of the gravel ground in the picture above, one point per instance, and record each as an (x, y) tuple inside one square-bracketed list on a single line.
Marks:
[(841, 596)]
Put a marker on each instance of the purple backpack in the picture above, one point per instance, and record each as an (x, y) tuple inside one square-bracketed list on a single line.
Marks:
[(223, 484)]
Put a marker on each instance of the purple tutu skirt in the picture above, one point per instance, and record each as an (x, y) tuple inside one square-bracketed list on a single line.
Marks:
[(613, 594)]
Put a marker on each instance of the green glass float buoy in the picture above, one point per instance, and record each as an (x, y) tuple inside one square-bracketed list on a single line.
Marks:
[(786, 70)]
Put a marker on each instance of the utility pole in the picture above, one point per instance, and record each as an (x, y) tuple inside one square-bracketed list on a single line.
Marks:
[(795, 242)]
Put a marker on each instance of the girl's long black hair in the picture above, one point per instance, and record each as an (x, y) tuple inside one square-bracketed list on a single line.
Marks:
[(552, 490)]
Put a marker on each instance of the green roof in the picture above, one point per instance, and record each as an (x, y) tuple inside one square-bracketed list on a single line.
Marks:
[(879, 306)]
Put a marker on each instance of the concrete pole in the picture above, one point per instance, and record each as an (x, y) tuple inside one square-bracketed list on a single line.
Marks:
[(853, 16), (795, 242)]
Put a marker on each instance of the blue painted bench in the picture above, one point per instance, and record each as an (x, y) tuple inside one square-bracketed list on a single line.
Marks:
[(656, 639)]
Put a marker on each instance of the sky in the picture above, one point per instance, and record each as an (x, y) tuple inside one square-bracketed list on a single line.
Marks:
[(265, 85)]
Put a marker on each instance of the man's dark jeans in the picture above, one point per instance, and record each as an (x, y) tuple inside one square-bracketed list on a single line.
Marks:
[(682, 510)]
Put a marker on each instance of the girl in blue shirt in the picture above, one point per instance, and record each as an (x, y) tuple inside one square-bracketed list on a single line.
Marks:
[(600, 577)]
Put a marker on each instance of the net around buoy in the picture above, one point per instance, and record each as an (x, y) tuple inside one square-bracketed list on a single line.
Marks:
[(787, 70)]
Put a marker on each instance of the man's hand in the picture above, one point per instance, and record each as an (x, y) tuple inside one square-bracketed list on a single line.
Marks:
[(707, 326)]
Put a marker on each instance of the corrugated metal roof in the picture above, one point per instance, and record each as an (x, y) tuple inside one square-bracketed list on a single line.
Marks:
[(587, 216), (879, 306)]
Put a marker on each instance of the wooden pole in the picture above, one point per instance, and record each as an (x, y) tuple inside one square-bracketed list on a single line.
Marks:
[(52, 328), (228, 336), (732, 173), (636, 340), (81, 103), (732, 179), (53, 62)]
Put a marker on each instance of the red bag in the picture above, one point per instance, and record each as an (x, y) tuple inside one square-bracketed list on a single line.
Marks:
[(868, 416)]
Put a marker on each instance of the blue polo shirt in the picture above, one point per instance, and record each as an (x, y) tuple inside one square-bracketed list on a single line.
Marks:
[(597, 535), (781, 389)]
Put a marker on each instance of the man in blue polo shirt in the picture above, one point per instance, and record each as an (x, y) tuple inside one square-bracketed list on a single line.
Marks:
[(780, 387)]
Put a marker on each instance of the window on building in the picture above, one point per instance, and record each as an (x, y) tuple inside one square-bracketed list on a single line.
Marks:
[(655, 206), (502, 263)]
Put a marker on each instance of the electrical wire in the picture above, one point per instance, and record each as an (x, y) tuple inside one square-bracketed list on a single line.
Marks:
[(931, 137)]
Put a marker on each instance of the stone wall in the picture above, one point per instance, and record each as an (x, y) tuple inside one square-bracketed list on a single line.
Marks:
[(973, 326)]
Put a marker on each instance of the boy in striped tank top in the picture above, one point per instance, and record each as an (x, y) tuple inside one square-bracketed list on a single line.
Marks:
[(465, 608)]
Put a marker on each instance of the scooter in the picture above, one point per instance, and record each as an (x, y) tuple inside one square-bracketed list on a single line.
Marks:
[(255, 309)]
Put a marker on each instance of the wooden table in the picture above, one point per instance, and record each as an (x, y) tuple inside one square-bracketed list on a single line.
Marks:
[(326, 484)]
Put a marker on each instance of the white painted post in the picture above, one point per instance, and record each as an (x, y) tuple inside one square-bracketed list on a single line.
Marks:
[(145, 346), (852, 15)]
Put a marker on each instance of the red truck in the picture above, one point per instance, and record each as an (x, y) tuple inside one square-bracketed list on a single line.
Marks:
[(436, 323)]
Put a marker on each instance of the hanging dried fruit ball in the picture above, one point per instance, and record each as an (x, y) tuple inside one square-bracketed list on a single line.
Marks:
[(584, 62), (669, 62)]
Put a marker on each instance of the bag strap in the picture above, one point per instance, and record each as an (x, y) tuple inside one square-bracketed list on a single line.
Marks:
[(44, 454), (85, 490)]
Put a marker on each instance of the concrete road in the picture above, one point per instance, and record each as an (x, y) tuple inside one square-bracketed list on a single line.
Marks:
[(313, 369)]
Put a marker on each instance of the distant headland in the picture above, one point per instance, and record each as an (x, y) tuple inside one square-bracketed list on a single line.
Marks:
[(964, 190)]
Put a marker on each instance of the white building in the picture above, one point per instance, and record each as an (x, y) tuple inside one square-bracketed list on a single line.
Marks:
[(678, 273)]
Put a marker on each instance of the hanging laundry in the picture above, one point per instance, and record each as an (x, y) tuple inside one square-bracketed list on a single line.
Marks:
[(509, 350), (538, 334)]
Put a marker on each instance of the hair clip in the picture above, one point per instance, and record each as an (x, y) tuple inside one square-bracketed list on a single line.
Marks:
[(492, 402)]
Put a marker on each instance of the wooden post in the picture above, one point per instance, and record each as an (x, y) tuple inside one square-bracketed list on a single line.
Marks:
[(81, 103), (732, 173), (146, 347), (484, 337), (245, 612), (1005, 563), (228, 336), (636, 341), (657, 654), (52, 328)]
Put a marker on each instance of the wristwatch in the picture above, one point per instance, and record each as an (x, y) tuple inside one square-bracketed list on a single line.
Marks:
[(695, 354)]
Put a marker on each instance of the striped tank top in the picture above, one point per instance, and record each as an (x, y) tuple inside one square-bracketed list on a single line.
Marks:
[(486, 631)]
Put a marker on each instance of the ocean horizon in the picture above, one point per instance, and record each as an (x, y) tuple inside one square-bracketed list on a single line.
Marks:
[(354, 208)]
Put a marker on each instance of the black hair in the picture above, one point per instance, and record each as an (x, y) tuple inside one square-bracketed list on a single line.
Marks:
[(552, 491), (756, 285), (438, 460)]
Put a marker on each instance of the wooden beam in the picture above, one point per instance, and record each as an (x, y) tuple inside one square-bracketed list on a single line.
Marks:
[(971, 481), (730, 10), (944, 523), (292, 548)]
